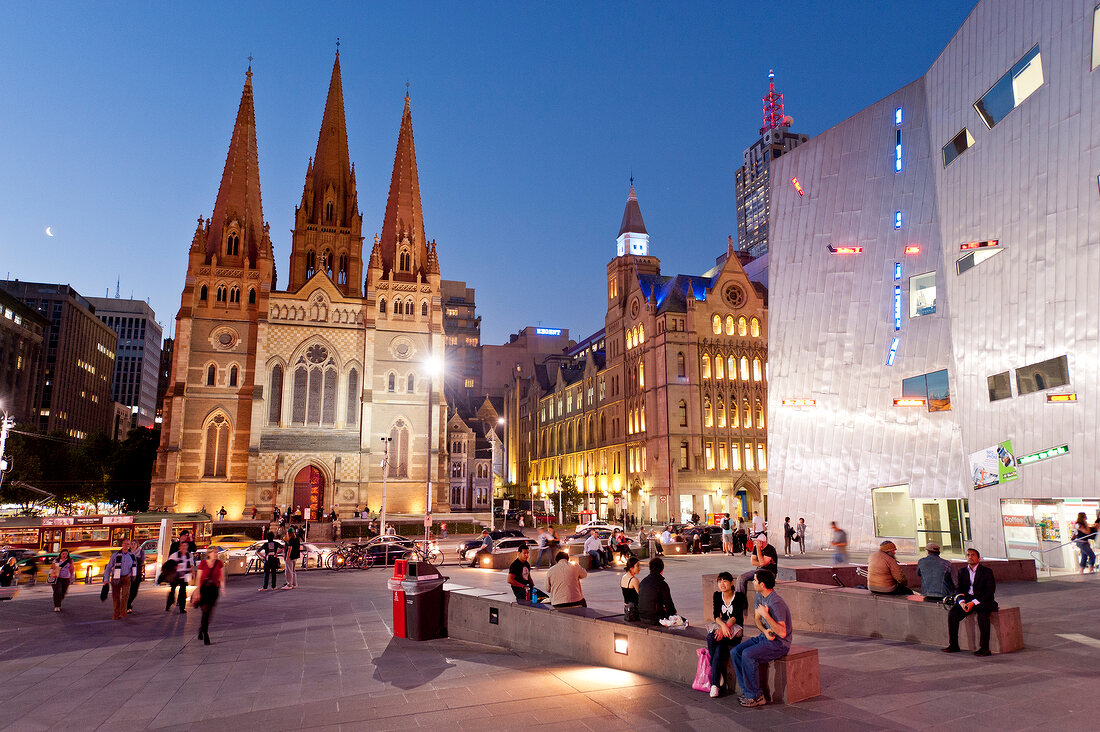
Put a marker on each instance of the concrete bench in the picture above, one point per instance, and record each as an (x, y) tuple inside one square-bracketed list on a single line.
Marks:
[(853, 612), (1004, 570), (601, 637)]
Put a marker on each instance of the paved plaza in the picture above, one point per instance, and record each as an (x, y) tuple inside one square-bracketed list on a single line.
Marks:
[(322, 657)]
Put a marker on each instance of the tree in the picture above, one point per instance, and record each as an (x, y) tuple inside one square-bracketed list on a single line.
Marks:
[(132, 469), (570, 495)]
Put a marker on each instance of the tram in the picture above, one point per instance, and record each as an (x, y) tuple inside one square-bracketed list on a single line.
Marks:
[(54, 533)]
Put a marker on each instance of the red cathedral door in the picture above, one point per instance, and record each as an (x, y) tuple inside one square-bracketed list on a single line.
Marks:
[(309, 490)]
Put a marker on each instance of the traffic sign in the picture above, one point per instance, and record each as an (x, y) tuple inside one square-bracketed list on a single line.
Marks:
[(664, 499), (428, 522), (617, 499)]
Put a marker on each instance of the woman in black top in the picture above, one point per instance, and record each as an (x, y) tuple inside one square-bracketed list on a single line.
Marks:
[(1082, 532), (729, 613), (629, 585)]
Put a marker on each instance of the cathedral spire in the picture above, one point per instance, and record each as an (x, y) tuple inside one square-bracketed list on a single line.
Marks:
[(239, 193), (330, 179), (633, 237), (404, 216)]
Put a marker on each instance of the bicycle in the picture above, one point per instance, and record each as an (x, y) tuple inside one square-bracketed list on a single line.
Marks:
[(350, 556), (431, 554)]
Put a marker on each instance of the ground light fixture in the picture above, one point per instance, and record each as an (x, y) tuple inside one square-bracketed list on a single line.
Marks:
[(621, 646)]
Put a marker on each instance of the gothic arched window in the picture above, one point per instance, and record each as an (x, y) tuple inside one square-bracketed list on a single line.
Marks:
[(328, 396), (211, 375), (744, 368), (399, 450), (233, 244), (275, 396), (382, 306), (235, 294), (424, 309), (326, 262), (405, 261), (343, 269), (742, 326), (202, 294), (329, 209), (721, 412), (410, 384), (353, 398), (398, 306), (708, 413), (222, 293), (706, 366), (754, 328), (217, 447), (731, 367), (681, 369), (409, 308), (756, 369), (298, 400), (252, 296), (233, 376), (682, 408), (719, 364), (311, 263), (391, 383)]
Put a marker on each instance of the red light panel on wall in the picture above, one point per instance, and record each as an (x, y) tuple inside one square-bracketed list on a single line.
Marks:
[(912, 249), (797, 186), (845, 250), (979, 244), (909, 402)]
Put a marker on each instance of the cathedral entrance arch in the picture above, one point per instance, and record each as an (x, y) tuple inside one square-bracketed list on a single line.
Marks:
[(309, 490)]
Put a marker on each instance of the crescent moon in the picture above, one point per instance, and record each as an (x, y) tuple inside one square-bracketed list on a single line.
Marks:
[(48, 232)]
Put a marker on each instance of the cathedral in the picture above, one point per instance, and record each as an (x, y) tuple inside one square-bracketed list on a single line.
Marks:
[(317, 394)]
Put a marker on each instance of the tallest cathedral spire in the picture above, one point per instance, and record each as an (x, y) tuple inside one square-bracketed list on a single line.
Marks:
[(402, 245), (328, 225)]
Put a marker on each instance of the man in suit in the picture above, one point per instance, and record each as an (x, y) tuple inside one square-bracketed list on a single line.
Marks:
[(976, 586)]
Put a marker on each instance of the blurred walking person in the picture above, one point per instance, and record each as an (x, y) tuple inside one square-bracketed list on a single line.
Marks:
[(185, 566), (137, 576), (118, 573), (211, 584), (62, 572)]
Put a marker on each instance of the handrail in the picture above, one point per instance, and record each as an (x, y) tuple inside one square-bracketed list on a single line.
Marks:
[(1035, 552)]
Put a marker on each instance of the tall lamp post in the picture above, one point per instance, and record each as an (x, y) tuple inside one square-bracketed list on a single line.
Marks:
[(434, 366), (385, 470)]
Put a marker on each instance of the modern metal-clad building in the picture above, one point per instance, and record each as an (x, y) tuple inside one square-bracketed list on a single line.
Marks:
[(935, 263)]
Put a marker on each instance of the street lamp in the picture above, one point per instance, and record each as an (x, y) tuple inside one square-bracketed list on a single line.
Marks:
[(433, 365), (385, 469)]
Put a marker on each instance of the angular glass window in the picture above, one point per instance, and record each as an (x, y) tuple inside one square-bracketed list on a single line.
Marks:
[(959, 144), (922, 294), (1043, 375), (939, 392), (973, 259), (1018, 84), (1000, 386), (1096, 38)]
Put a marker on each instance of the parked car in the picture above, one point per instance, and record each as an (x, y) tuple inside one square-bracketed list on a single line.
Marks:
[(232, 541), (388, 549), (504, 546), (598, 524)]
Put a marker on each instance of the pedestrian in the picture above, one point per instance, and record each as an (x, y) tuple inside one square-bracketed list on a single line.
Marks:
[(7, 573), (553, 540), (773, 617), (629, 585), (443, 529), (727, 535), (521, 520), (593, 549), (274, 514), (977, 589), (62, 572), (332, 515), (544, 546), (486, 548), (622, 546), (800, 535), (292, 552), (1081, 534), (269, 553), (728, 612), (519, 578), (211, 584), (934, 571), (185, 565), (175, 545), (654, 596), (136, 577), (254, 512), (563, 582), (222, 513), (118, 573), (839, 543), (759, 525), (788, 535)]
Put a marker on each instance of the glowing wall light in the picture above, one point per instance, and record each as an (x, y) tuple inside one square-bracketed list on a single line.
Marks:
[(799, 402), (913, 402), (893, 352), (912, 249), (897, 308), (897, 271), (897, 150), (1061, 398), (897, 116), (845, 250), (897, 219), (797, 186), (1043, 455), (621, 646), (979, 244)]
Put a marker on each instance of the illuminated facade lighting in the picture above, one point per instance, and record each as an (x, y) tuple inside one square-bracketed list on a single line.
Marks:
[(979, 244), (897, 271), (912, 249), (1061, 398), (797, 186), (897, 151), (897, 309), (1043, 455), (897, 219), (893, 352), (897, 116), (910, 402), (845, 250), (799, 402)]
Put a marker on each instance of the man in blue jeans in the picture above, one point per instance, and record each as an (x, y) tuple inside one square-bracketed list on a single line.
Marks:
[(773, 617)]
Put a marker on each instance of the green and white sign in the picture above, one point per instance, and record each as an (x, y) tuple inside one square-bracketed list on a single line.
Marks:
[(1043, 455), (993, 465)]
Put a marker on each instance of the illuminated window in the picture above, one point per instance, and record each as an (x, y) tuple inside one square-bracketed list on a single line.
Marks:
[(719, 367), (744, 368), (933, 387), (452, 312), (746, 413), (1043, 375), (681, 369), (706, 366), (897, 219), (683, 410), (723, 457), (641, 333), (716, 324), (708, 413), (217, 447), (742, 326), (735, 455), (897, 116), (897, 150), (756, 369), (729, 325), (972, 259), (708, 451), (761, 456), (641, 376), (721, 412), (731, 367), (922, 294), (684, 456), (735, 419), (759, 415), (959, 144), (754, 328), (1000, 386), (1021, 81), (748, 456)]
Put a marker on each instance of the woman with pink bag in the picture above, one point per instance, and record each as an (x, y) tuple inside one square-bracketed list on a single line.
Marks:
[(725, 634)]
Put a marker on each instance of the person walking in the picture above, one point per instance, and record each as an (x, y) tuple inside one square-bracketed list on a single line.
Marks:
[(7, 573), (269, 553), (773, 617), (800, 535), (1082, 532), (839, 543), (544, 546), (118, 574), (727, 535), (222, 513), (788, 535), (563, 582), (728, 613), (554, 541), (443, 529), (136, 577), (185, 566), (292, 552), (62, 572), (211, 584)]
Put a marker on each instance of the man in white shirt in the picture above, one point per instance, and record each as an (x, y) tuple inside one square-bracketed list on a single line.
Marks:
[(594, 549), (185, 566), (759, 525)]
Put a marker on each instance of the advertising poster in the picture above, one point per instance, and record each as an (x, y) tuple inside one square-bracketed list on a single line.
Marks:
[(993, 465)]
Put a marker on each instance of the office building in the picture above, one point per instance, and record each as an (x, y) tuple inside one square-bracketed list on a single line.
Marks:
[(21, 340), (137, 360)]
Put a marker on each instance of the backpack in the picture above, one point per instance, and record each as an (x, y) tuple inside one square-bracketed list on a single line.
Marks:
[(725, 524)]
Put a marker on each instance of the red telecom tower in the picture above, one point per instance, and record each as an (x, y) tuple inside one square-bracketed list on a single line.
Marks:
[(773, 106)]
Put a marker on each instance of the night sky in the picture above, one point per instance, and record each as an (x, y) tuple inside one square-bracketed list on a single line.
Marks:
[(529, 120)]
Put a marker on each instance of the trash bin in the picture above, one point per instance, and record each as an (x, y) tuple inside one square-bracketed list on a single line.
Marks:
[(416, 590)]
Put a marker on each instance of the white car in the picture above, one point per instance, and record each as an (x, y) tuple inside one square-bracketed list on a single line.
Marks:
[(501, 546), (315, 556), (598, 524)]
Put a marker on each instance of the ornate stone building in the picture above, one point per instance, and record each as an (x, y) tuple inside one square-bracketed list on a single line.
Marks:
[(297, 396)]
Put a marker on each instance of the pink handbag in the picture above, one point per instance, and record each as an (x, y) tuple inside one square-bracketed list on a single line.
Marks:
[(702, 672)]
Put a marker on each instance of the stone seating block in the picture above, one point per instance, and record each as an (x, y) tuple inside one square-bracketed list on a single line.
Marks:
[(791, 679)]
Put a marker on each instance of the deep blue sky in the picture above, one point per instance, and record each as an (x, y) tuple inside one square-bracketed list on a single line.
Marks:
[(529, 119)]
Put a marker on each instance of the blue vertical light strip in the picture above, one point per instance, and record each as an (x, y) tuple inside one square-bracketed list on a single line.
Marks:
[(897, 307), (897, 150), (893, 352), (897, 219), (897, 116), (897, 271)]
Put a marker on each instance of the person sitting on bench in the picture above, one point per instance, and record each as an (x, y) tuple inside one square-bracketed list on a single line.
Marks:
[(884, 575), (935, 575), (764, 556), (977, 587), (773, 617)]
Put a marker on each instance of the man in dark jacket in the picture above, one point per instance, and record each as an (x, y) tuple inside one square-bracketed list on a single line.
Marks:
[(654, 596), (976, 586)]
